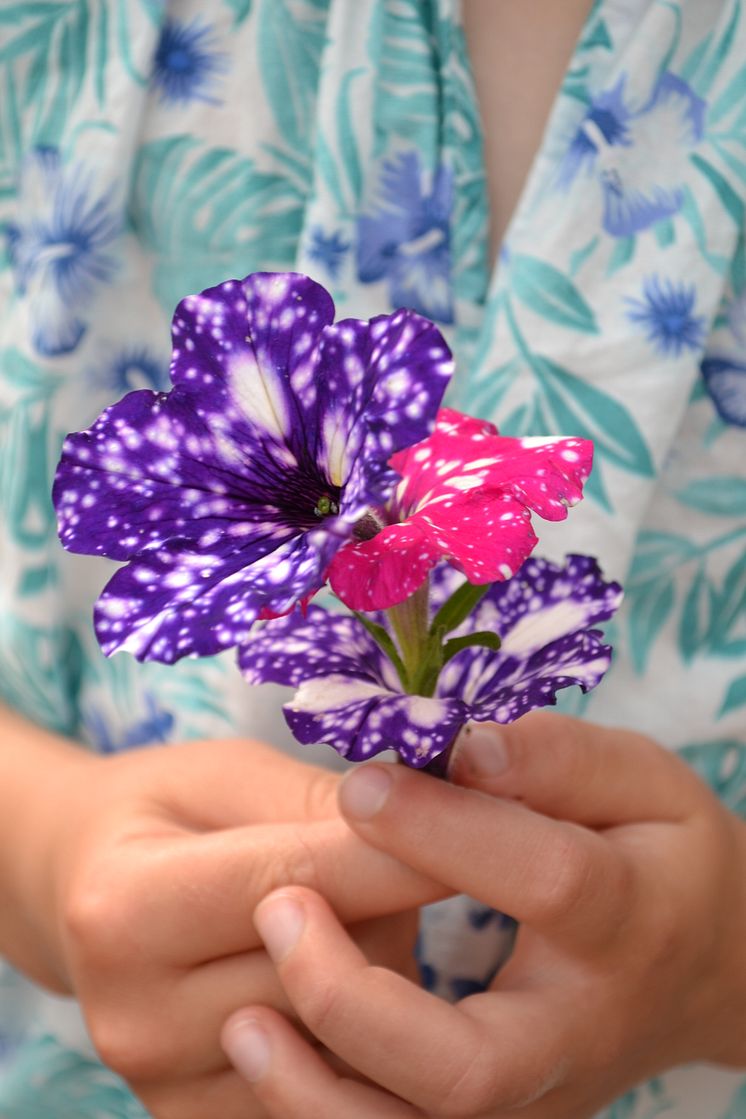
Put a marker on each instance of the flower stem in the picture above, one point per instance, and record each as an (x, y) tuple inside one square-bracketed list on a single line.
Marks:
[(410, 624)]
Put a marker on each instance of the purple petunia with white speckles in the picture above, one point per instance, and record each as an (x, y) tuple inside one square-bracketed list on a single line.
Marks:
[(350, 696), (230, 494)]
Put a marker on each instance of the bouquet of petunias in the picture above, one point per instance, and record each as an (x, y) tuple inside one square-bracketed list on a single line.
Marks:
[(293, 451)]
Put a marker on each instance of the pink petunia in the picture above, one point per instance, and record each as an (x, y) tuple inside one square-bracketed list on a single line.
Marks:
[(466, 495)]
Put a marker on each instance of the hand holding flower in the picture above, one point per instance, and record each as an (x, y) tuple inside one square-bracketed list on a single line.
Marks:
[(613, 856), (138, 873)]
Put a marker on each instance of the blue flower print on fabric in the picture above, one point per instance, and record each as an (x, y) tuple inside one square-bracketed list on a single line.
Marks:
[(666, 313), (157, 726), (187, 64), (134, 367), (59, 248), (637, 191), (405, 237), (725, 381), (328, 249), (724, 371)]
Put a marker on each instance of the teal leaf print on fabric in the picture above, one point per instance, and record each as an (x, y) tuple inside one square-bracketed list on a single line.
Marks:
[(291, 36), (28, 450), (47, 1081), (405, 42), (644, 1102), (728, 628), (544, 289), (707, 60), (695, 623), (731, 201), (649, 607), (735, 696), (209, 213), (722, 764), (658, 554), (40, 672), (240, 8), (591, 413), (737, 1107), (720, 495)]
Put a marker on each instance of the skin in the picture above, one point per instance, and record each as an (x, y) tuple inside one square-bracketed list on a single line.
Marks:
[(616, 860), (127, 881)]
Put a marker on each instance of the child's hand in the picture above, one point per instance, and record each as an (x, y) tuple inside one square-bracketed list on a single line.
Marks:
[(150, 871), (629, 960)]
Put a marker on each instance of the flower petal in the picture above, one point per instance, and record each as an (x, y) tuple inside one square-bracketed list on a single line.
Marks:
[(292, 649), (360, 719), (466, 495), (543, 616), (378, 573), (173, 601)]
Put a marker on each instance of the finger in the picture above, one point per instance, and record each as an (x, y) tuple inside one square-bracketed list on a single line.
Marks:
[(240, 781), (290, 1077), (489, 1050), (200, 1000), (225, 1095), (184, 901), (567, 768), (550, 874)]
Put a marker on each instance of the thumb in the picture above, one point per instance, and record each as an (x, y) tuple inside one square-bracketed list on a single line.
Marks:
[(573, 770)]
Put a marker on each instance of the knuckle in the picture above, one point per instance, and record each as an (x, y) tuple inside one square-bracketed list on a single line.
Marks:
[(320, 799), (127, 1049), (92, 916), (467, 1090), (323, 1009), (568, 874)]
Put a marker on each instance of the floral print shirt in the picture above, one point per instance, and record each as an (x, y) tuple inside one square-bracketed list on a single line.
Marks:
[(150, 149)]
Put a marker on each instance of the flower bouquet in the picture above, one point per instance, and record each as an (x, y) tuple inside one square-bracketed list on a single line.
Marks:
[(294, 452)]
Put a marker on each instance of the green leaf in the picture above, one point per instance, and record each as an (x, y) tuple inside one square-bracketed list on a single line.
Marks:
[(734, 697), (384, 641), (725, 192), (722, 495), (648, 610), (458, 607), (580, 408), (549, 293), (481, 637)]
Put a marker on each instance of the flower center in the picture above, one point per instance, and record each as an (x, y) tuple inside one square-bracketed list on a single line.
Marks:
[(325, 505)]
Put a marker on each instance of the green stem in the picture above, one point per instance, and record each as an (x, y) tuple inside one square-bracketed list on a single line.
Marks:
[(410, 624)]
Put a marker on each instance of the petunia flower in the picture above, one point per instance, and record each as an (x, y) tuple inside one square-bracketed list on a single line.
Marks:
[(466, 494), (350, 695), (230, 494)]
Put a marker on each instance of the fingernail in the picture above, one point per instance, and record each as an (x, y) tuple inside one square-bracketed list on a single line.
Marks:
[(247, 1046), (364, 791), (279, 922), (480, 752)]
